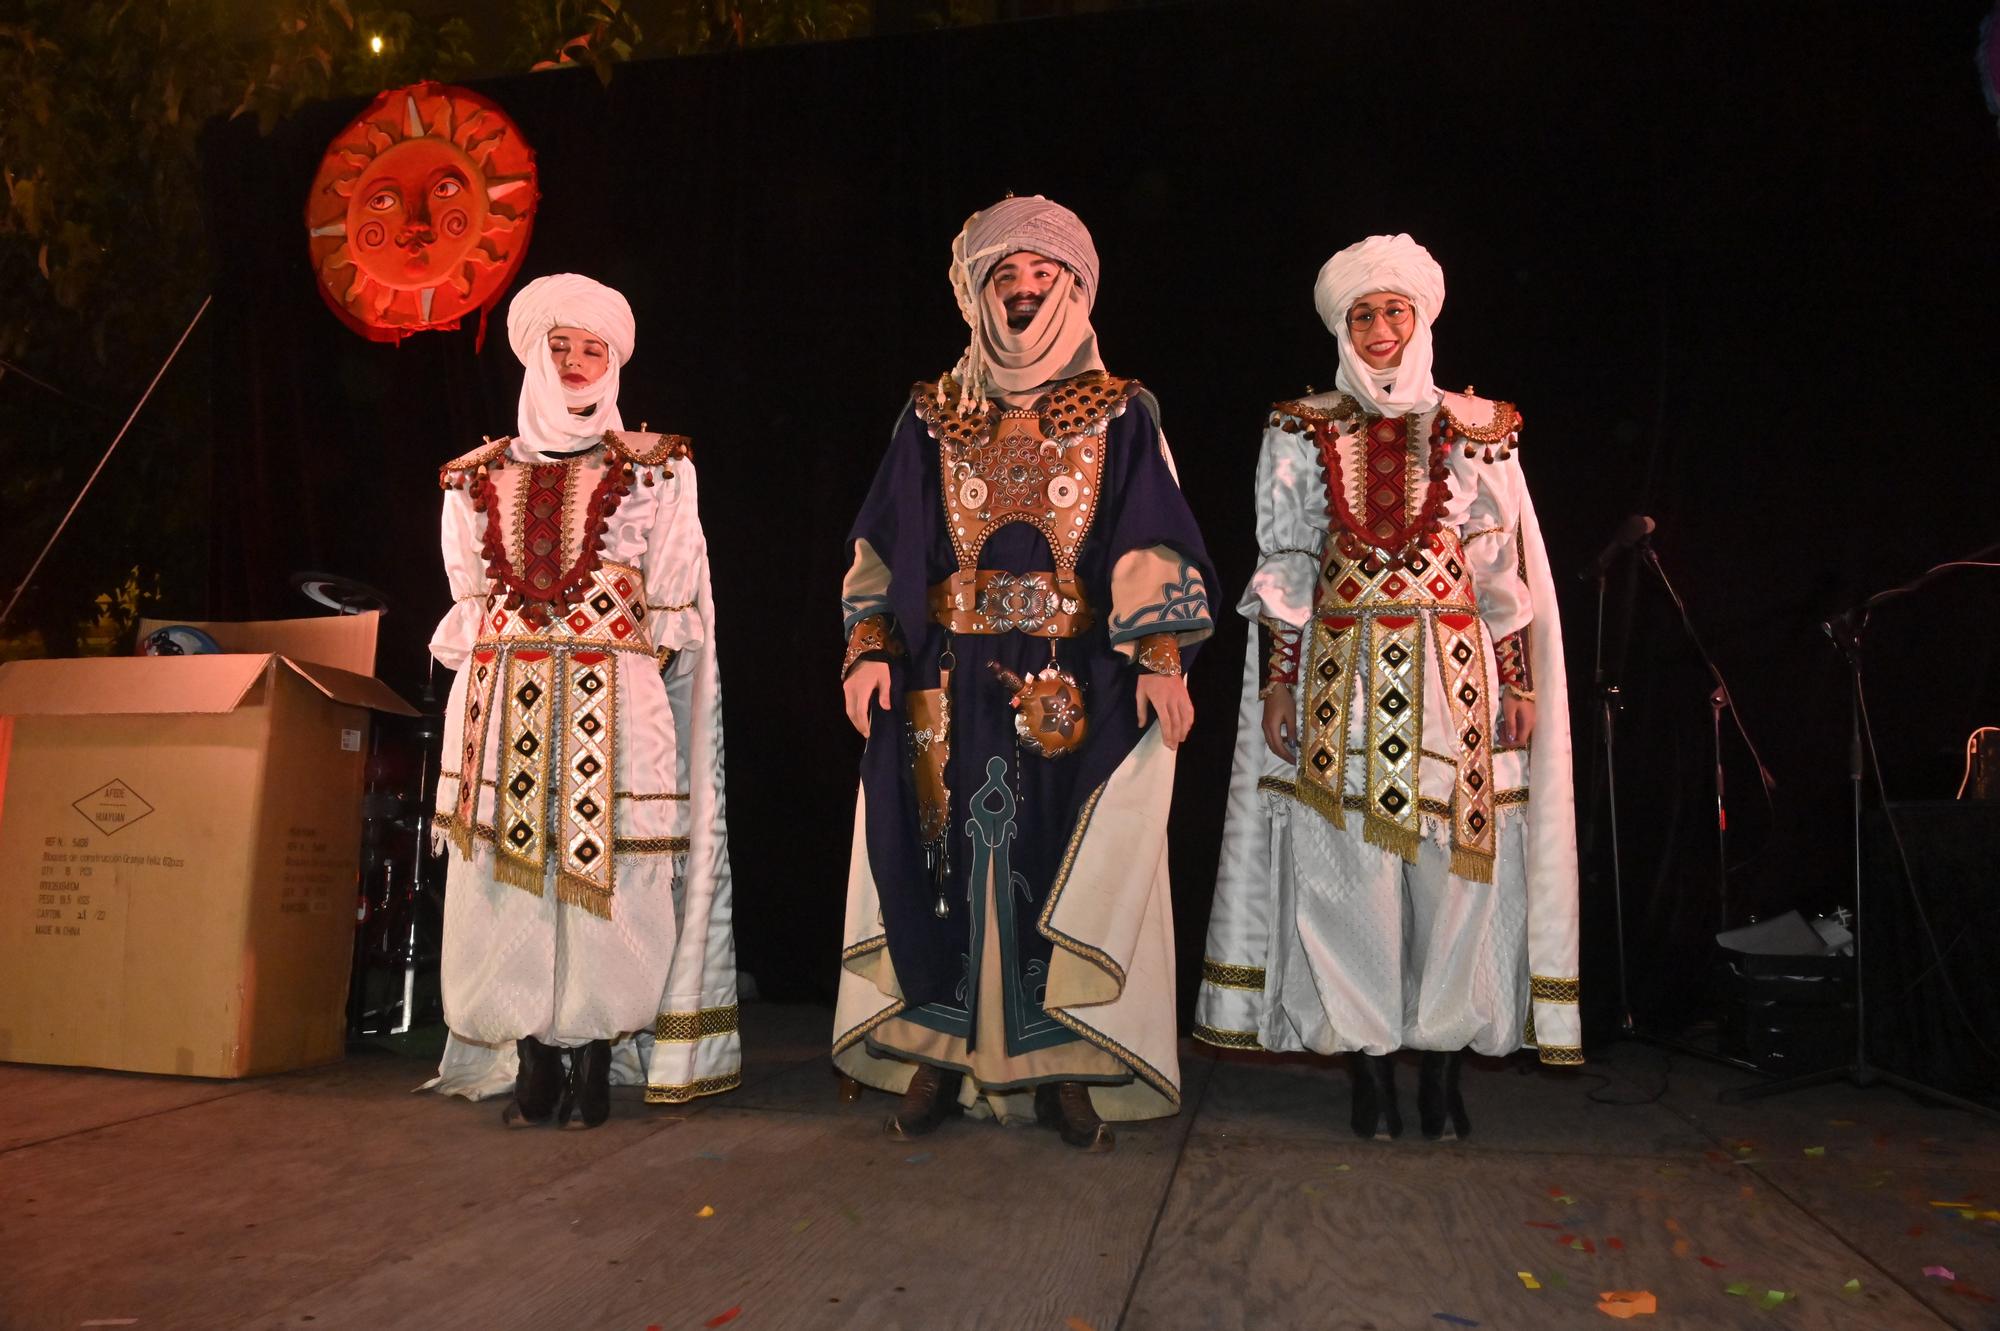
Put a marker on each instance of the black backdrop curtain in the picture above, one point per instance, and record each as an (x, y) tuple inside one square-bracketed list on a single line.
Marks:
[(1735, 263)]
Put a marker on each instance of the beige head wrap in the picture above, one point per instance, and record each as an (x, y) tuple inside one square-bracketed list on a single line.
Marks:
[(567, 300), (1060, 343), (1383, 263)]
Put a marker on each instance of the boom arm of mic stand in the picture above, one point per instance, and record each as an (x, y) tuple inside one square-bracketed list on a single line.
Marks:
[(1652, 560)]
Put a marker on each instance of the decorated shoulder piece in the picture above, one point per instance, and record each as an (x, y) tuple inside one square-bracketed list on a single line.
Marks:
[(1085, 405), (1298, 415), (468, 467), (649, 450), (1479, 420)]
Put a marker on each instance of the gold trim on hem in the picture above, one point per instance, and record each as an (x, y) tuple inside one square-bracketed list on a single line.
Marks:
[(864, 947), (1229, 975), (855, 1034), (687, 1027), (1096, 956), (680, 1095), (662, 795), (1553, 988), (1152, 1075), (1222, 1039), (1561, 1055)]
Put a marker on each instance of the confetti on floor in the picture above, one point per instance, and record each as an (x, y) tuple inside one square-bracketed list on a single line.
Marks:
[(1527, 1278), (705, 1213), (1816, 1151), (1941, 1272), (1077, 1324), (1852, 1287), (1737, 1287), (724, 1318), (1453, 1319), (1772, 1298), (1627, 1303)]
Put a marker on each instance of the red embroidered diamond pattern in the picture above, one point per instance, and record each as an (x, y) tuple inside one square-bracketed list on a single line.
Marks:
[(621, 627), (541, 526), (1440, 587), (1349, 589), (1394, 585), (579, 622)]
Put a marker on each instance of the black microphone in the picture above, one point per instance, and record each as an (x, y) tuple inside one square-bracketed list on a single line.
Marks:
[(1630, 532)]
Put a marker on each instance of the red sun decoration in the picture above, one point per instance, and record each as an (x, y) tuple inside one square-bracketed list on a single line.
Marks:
[(420, 212)]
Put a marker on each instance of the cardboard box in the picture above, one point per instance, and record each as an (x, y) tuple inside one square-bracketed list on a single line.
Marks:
[(179, 848)]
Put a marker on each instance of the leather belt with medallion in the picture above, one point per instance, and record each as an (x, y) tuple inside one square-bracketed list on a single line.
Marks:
[(986, 601)]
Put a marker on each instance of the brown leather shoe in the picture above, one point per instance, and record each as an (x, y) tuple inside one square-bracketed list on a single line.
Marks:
[(1065, 1106), (848, 1089), (931, 1098)]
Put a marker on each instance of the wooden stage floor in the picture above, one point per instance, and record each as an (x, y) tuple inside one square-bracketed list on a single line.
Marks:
[(336, 1198)]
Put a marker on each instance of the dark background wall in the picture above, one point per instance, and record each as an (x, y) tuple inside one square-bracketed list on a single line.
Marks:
[(1735, 263)]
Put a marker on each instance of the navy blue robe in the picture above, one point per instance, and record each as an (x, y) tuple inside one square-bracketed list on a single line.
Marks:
[(1028, 803)]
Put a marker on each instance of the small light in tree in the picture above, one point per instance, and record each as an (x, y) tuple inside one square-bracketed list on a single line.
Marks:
[(375, 44)]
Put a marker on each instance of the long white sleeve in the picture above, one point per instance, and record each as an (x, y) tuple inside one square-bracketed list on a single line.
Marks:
[(1291, 527)]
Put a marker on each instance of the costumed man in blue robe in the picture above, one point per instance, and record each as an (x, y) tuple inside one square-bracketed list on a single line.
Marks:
[(1026, 589)]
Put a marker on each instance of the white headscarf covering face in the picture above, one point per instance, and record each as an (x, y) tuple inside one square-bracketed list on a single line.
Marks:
[(1060, 343), (547, 425), (1383, 263)]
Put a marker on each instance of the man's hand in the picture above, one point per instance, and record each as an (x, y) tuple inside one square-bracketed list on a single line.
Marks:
[(1517, 719), (1281, 710), (864, 690), (1167, 695)]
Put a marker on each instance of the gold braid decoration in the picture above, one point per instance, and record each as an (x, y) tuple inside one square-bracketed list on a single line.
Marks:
[(680, 1095), (1553, 989), (683, 1027), (1229, 975), (1226, 1039)]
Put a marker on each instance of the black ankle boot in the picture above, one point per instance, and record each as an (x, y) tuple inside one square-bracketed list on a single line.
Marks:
[(1375, 1112), (932, 1097), (537, 1086), (588, 1096), (1438, 1099), (1065, 1106)]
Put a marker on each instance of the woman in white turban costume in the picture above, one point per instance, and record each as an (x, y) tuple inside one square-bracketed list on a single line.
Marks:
[(1399, 857), (587, 904)]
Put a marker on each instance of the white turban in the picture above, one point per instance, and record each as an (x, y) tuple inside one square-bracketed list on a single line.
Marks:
[(1059, 343), (548, 425), (1383, 263)]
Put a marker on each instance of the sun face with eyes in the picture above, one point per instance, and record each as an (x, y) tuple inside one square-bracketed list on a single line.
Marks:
[(421, 211)]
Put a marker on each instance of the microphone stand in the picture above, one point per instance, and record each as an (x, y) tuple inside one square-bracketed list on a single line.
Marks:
[(1608, 704), (1719, 700), (1846, 630)]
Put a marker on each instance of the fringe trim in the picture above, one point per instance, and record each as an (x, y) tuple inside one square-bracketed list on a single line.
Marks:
[(1475, 866), (1404, 841), (517, 872), (1322, 801), (572, 890)]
